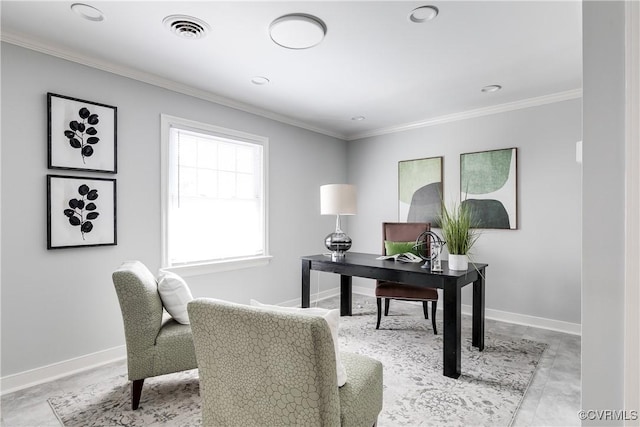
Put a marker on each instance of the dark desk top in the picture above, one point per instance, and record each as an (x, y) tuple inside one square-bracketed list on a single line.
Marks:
[(362, 263)]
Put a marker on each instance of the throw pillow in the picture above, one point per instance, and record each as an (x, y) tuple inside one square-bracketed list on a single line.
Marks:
[(175, 295), (332, 317), (394, 248)]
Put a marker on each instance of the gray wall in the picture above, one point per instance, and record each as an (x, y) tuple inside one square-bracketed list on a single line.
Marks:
[(603, 206), (534, 270), (60, 304)]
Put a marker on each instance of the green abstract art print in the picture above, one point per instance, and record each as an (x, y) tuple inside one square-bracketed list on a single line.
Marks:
[(420, 190), (488, 185)]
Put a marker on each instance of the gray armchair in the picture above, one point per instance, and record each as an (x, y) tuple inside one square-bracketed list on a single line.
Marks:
[(155, 345), (259, 367)]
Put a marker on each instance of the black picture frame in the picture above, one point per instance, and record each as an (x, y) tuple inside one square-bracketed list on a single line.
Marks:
[(81, 134), (420, 189), (489, 186), (81, 211)]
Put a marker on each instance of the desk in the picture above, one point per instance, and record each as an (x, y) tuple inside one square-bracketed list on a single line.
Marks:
[(450, 281)]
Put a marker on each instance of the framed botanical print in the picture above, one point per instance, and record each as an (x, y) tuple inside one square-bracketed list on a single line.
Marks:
[(488, 184), (81, 211), (82, 135), (420, 190)]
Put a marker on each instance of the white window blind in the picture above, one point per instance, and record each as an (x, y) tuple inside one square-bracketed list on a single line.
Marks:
[(215, 194)]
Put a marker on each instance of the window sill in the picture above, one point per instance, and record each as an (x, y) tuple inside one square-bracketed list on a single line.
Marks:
[(200, 269)]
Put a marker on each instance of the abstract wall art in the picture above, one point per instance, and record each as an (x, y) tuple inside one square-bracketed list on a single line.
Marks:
[(81, 211), (488, 184), (81, 134), (420, 190)]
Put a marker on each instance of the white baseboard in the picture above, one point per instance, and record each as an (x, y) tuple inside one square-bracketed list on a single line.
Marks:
[(533, 321), (33, 377), (313, 298), (370, 292), (505, 316), (44, 374)]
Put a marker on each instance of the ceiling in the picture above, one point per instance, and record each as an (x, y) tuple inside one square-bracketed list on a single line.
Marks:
[(373, 62)]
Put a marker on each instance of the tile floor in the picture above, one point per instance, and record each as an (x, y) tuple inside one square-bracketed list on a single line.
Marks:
[(553, 398)]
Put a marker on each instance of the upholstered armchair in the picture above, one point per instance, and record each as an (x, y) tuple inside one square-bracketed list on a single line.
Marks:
[(156, 345), (404, 232), (259, 367)]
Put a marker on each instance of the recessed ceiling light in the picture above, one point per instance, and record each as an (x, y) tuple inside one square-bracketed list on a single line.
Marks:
[(186, 27), (88, 12), (491, 88), (423, 14), (297, 31), (259, 80), (357, 118)]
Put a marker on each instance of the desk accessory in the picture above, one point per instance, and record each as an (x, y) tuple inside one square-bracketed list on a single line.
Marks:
[(429, 246), (338, 199)]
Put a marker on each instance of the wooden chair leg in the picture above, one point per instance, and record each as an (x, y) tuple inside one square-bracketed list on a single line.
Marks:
[(379, 303), (425, 309), (434, 306), (136, 392), (386, 306)]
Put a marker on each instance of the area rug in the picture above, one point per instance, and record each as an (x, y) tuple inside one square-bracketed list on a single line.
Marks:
[(488, 393)]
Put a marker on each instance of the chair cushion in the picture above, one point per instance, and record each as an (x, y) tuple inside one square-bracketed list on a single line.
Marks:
[(394, 248), (175, 295), (361, 397), (174, 350), (332, 318), (404, 291)]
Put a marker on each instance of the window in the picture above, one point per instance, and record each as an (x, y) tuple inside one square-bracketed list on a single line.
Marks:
[(214, 202)]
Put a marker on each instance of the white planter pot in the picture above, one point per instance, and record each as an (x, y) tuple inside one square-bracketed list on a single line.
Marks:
[(458, 262)]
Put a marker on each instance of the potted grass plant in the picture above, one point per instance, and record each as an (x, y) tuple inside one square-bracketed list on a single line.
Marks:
[(457, 225)]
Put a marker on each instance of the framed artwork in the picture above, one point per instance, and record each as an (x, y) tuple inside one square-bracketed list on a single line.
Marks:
[(81, 211), (420, 190), (81, 134), (488, 183)]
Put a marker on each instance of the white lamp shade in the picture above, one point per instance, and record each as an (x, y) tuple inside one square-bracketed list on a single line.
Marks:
[(338, 199)]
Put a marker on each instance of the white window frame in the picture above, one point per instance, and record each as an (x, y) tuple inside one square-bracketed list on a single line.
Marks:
[(199, 268)]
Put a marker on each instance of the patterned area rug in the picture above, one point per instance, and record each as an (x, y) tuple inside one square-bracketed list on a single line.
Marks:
[(489, 391)]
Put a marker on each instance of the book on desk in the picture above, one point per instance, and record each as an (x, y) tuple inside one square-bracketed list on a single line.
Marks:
[(403, 257)]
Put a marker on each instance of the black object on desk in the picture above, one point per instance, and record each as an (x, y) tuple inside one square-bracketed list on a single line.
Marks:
[(450, 281)]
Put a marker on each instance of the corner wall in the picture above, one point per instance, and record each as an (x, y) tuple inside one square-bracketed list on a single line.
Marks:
[(603, 208), (58, 305), (534, 270)]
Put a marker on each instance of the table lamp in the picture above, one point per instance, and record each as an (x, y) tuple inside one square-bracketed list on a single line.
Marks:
[(337, 199)]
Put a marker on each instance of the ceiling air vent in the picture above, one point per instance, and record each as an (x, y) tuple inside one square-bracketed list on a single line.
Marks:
[(186, 27)]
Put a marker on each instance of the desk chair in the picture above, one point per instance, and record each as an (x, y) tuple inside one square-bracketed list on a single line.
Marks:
[(404, 232)]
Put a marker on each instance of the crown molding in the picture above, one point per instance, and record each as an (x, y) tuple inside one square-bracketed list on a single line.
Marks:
[(155, 80), (59, 52), (485, 111)]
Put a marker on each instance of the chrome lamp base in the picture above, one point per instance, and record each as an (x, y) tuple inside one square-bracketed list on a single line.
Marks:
[(337, 242)]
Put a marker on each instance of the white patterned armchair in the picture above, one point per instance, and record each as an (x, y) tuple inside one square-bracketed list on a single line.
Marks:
[(259, 367), (155, 345)]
